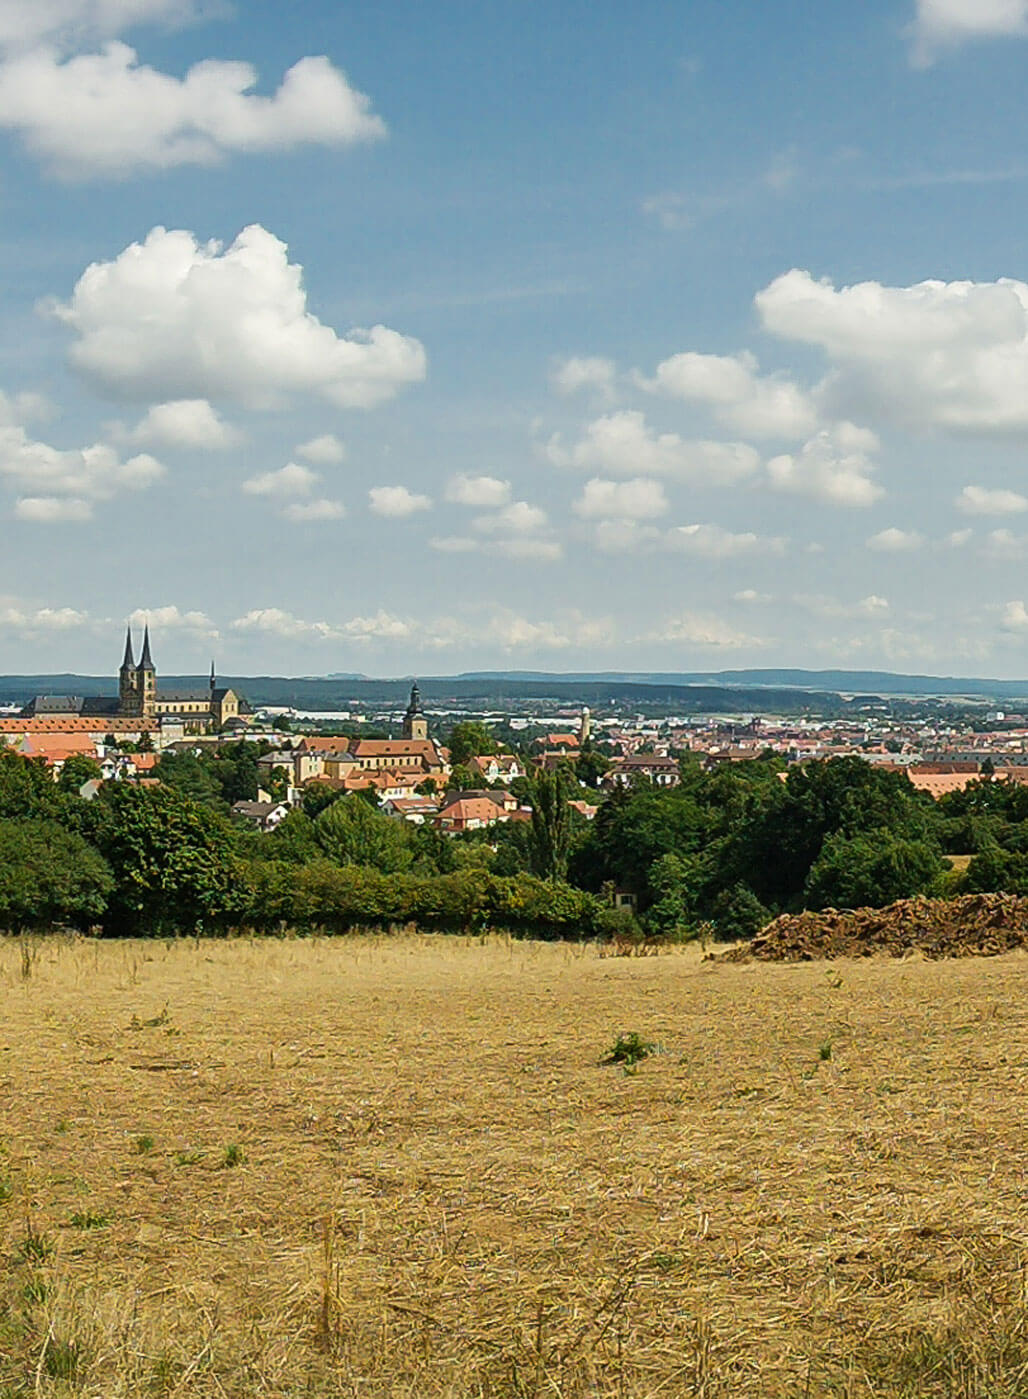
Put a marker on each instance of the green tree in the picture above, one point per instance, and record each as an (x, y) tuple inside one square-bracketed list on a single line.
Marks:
[(193, 776), (591, 767), (871, 869), (27, 787), (49, 876), (470, 739), (78, 769), (174, 861), (351, 832), (551, 823)]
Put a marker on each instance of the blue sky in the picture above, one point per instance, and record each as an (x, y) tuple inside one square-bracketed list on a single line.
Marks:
[(408, 338)]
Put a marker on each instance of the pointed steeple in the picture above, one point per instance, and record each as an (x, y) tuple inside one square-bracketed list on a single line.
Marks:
[(145, 663), (214, 679), (129, 661)]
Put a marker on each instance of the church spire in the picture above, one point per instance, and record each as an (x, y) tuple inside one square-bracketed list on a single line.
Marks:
[(214, 680), (129, 661), (145, 663)]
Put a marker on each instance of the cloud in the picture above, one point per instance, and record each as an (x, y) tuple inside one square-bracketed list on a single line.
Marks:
[(834, 467), (481, 492), (273, 621), (289, 480), (625, 536), (63, 23), (528, 546), (750, 595), (591, 372), (639, 499), (951, 356), (326, 450), (1015, 617), (959, 538), (1004, 546), (742, 399), (314, 511), (188, 422), (714, 542), (56, 484), (171, 318), (52, 510), (895, 541), (28, 622), (979, 500), (623, 444), (170, 618), (383, 626), (517, 518), (943, 24), (396, 501), (107, 115), (822, 606), (706, 632)]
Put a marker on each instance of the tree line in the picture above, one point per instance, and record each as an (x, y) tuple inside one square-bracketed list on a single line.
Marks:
[(719, 854)]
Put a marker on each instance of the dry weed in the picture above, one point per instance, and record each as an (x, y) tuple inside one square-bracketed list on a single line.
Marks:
[(438, 1190)]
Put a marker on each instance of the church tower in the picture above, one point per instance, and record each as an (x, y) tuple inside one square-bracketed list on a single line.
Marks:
[(128, 696), (415, 725), (146, 680)]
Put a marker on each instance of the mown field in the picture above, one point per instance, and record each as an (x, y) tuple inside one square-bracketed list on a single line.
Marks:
[(371, 1167)]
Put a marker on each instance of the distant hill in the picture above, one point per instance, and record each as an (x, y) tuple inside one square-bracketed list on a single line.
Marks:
[(333, 693), (866, 682), (778, 691)]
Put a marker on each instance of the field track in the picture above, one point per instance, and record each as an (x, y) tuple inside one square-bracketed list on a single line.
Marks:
[(379, 1167)]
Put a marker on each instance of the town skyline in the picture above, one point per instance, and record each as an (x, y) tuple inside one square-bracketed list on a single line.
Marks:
[(406, 343)]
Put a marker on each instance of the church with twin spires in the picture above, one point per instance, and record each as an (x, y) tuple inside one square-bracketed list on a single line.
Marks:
[(139, 698)]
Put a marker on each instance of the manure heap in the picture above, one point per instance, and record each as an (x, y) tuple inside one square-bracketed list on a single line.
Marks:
[(976, 925)]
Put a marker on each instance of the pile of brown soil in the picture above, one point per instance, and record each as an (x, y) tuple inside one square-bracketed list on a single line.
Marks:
[(977, 925)]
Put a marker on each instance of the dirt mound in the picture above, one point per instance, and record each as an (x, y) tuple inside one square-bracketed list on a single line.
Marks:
[(977, 925)]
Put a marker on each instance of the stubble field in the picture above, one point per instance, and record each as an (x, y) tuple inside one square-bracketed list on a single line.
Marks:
[(377, 1167)]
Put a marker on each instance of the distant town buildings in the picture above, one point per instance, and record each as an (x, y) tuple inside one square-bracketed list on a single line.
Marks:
[(138, 698)]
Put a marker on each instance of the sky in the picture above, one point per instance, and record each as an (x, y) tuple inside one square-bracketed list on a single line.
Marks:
[(410, 339)]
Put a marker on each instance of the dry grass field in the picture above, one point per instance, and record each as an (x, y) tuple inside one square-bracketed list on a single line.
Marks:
[(371, 1167)]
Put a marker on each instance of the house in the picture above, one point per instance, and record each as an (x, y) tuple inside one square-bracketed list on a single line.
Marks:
[(469, 812), (498, 767), (264, 815), (416, 810), (661, 771)]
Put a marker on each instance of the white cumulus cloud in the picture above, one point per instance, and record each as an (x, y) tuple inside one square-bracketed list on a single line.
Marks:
[(57, 484), (107, 114), (480, 492), (275, 621), (624, 445), (290, 480), (942, 24), (188, 422), (895, 541), (980, 500), (835, 466), (171, 318), (705, 631), (1015, 616), (951, 356), (53, 509), (396, 501), (326, 450), (70, 23), (314, 511), (713, 542), (517, 518), (639, 499), (584, 372), (172, 618), (740, 397)]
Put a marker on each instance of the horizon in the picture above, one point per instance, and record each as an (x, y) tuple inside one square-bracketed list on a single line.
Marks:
[(600, 340)]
